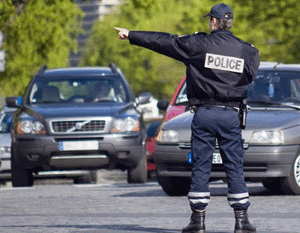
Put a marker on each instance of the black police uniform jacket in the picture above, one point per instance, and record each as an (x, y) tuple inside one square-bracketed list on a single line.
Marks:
[(219, 65)]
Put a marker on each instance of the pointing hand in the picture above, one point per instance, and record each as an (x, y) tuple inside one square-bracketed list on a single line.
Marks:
[(123, 33)]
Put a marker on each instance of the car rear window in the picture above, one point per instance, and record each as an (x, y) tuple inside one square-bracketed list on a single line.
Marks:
[(267, 87), (181, 98), (275, 86)]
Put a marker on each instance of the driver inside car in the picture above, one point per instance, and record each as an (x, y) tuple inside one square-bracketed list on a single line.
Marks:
[(103, 91)]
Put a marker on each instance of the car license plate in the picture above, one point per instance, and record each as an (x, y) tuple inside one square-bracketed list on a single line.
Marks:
[(217, 159), (78, 145)]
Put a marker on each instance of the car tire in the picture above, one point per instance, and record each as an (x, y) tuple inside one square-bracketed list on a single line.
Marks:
[(273, 185), (175, 186), (94, 176), (90, 178), (139, 173), (291, 184), (20, 177)]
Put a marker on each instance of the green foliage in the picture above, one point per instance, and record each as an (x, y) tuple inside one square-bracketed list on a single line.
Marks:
[(44, 31), (145, 70), (146, 4), (37, 32), (272, 26)]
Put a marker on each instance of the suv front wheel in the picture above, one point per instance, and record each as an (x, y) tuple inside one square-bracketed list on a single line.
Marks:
[(139, 173), (90, 178), (20, 177)]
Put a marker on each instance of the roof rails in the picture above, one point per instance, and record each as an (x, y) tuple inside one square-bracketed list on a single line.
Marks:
[(267, 64), (42, 70), (270, 64), (113, 68), (279, 63)]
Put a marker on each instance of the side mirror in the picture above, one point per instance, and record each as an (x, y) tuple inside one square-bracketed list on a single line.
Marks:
[(144, 98), (163, 104), (12, 102)]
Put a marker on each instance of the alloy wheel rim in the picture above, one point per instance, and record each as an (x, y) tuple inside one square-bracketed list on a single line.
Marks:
[(297, 170)]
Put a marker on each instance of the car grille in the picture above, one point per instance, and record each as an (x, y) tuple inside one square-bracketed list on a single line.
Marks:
[(78, 126)]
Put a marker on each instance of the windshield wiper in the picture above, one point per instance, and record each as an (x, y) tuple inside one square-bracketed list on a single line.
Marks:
[(263, 102), (291, 105), (183, 103), (269, 103)]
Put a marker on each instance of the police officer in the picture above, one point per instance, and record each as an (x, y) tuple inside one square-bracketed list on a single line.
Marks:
[(219, 68)]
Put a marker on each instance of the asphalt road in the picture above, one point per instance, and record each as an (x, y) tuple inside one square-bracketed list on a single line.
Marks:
[(112, 205)]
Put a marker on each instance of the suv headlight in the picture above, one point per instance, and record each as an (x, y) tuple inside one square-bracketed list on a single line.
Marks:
[(167, 136), (267, 137), (125, 125), (30, 127)]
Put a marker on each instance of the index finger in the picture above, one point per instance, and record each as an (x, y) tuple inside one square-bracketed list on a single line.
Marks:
[(119, 29)]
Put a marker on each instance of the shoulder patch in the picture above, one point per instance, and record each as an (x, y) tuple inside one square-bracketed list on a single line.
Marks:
[(249, 44), (199, 33), (183, 36)]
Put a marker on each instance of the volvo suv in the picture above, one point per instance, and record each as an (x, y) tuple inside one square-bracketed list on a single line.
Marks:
[(77, 118)]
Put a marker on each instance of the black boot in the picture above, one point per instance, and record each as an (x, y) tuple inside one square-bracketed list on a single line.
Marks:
[(197, 222), (242, 224)]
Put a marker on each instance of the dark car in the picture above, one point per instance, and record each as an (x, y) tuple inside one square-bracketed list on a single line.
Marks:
[(271, 137), (77, 118)]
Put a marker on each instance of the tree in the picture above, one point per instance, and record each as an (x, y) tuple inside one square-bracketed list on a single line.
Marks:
[(145, 70), (44, 31), (272, 26), (36, 32)]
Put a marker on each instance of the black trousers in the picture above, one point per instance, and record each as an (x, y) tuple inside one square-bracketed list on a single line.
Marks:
[(211, 123)]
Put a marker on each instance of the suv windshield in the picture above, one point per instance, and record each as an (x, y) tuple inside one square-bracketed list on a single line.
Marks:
[(80, 90), (275, 87)]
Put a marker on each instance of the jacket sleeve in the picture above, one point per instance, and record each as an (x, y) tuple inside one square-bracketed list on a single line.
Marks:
[(252, 63), (174, 46)]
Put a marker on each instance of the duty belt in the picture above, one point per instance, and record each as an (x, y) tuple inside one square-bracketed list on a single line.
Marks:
[(218, 103), (241, 108), (209, 103), (193, 109)]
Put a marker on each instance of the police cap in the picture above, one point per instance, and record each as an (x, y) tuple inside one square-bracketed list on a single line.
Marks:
[(221, 11)]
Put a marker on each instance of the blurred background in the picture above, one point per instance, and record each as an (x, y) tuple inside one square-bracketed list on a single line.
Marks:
[(60, 33)]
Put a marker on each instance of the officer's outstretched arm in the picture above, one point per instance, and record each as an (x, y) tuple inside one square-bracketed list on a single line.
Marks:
[(164, 43)]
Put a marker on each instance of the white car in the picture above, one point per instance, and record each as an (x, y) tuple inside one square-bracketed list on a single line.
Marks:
[(5, 143), (6, 115)]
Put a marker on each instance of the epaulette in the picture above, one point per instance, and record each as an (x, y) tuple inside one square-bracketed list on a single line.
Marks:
[(200, 33), (247, 43), (183, 36)]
